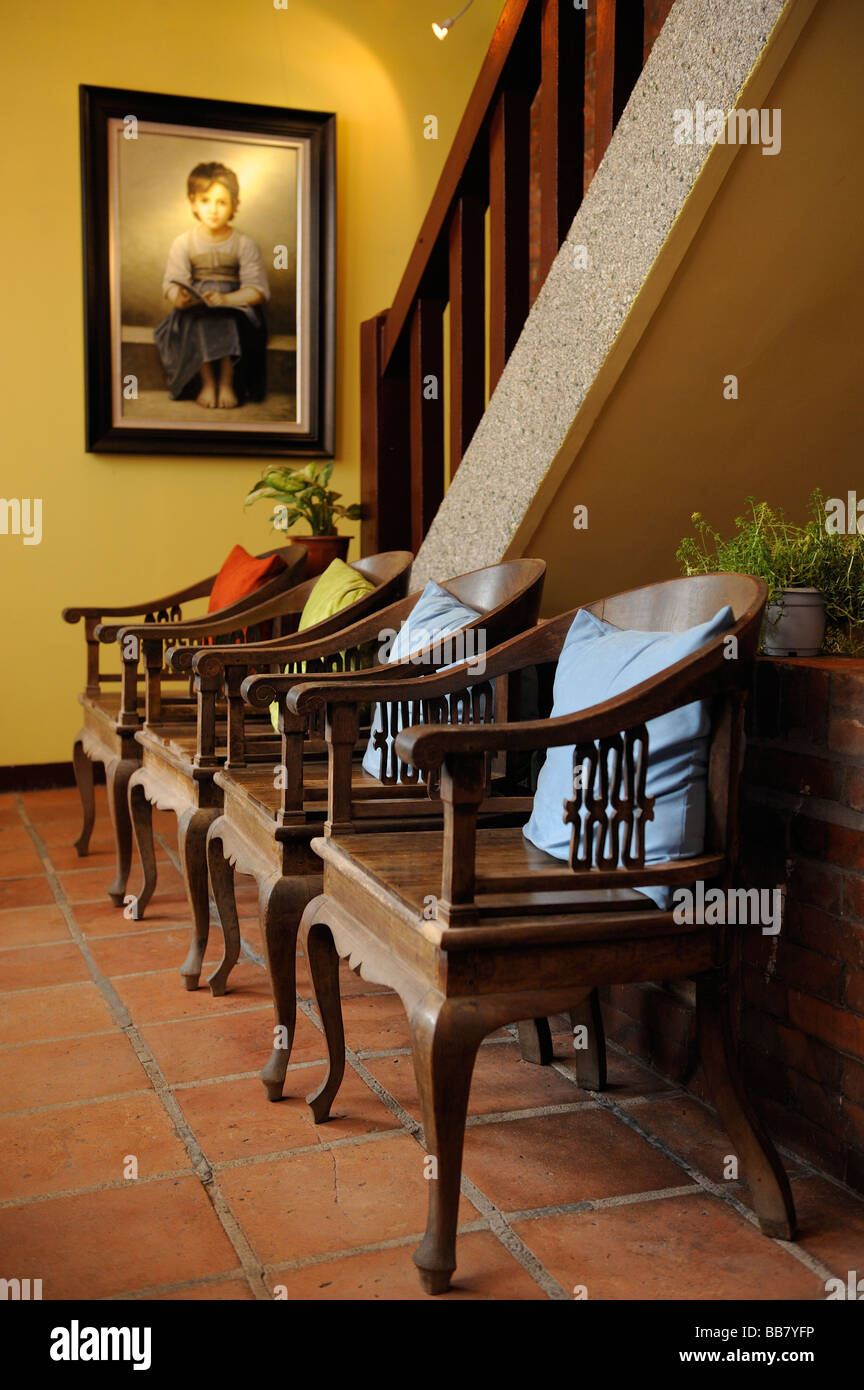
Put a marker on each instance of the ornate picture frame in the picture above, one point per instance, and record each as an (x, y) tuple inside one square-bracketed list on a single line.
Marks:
[(209, 268)]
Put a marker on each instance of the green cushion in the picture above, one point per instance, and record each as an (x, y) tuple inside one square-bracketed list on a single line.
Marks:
[(337, 588)]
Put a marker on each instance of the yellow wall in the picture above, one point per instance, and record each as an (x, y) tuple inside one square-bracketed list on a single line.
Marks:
[(124, 528), (771, 290)]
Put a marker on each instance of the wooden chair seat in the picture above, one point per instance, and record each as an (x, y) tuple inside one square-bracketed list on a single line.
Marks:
[(407, 866), (476, 928)]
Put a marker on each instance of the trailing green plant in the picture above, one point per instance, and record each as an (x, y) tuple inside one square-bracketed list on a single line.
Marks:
[(769, 546), (302, 494)]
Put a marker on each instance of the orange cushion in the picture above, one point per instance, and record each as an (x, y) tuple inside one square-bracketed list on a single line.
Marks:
[(241, 575)]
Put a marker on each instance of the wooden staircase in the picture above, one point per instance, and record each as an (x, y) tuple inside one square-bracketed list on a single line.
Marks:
[(551, 90)]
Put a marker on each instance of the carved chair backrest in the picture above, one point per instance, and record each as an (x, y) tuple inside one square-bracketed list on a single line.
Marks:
[(169, 610), (507, 598)]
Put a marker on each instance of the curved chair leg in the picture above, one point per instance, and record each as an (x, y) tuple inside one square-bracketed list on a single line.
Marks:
[(117, 774), (445, 1039), (535, 1041), (281, 904), (323, 961), (222, 887), (141, 815), (83, 769), (192, 830), (591, 1059), (761, 1166)]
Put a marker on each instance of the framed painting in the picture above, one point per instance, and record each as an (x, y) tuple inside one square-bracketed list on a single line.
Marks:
[(209, 258)]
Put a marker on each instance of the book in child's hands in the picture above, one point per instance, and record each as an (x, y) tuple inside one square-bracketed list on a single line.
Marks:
[(190, 290)]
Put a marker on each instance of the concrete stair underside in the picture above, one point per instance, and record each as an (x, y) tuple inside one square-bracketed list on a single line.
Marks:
[(541, 410)]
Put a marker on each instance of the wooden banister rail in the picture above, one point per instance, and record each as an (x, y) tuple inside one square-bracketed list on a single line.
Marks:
[(553, 72)]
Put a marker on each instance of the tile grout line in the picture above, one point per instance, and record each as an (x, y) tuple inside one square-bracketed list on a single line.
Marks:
[(810, 1262), (111, 1185), (627, 1199), (701, 1181), (200, 1167), (394, 1243), (174, 858), (497, 1224), (72, 1104), (158, 1290)]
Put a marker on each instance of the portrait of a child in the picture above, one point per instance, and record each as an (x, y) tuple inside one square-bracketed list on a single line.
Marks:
[(212, 344)]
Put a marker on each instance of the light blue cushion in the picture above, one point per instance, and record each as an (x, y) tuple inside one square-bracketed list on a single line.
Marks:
[(435, 615), (599, 661)]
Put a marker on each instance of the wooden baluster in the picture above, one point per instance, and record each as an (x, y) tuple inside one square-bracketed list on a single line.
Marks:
[(207, 685), (462, 786), (427, 416), (234, 677), (153, 679), (92, 687), (292, 732), (342, 727), (656, 14), (604, 79), (629, 46), (509, 164), (129, 718), (562, 125), (467, 324), (385, 491)]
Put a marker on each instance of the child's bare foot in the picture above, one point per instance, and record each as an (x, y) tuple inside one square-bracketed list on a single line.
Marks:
[(207, 395), (226, 399)]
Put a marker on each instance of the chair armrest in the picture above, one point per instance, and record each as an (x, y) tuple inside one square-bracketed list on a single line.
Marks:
[(348, 687), (226, 621), (701, 676), (301, 646), (199, 590), (419, 678)]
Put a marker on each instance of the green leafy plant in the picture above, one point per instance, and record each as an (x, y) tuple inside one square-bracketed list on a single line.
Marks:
[(302, 494), (787, 556)]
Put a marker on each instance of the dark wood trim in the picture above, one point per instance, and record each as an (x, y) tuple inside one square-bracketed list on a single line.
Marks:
[(604, 78), (509, 195), (426, 415), (656, 14), (37, 777), (476, 116), (629, 46), (467, 324), (562, 125), (384, 447)]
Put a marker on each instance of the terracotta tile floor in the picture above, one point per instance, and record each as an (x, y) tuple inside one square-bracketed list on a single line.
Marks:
[(110, 1068)]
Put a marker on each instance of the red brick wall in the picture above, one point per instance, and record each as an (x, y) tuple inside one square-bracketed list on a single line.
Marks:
[(802, 992)]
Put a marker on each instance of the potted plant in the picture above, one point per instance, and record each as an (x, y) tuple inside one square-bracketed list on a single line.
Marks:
[(815, 575), (302, 494)]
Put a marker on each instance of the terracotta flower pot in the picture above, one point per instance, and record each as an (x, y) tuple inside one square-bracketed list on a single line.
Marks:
[(320, 550)]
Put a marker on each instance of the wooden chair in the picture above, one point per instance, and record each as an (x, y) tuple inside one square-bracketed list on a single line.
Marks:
[(110, 715), (266, 832), (520, 934), (179, 756)]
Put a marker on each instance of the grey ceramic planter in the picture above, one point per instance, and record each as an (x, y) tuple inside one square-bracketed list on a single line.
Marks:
[(796, 625)]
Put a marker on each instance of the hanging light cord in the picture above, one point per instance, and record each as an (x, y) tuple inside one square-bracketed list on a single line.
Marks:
[(442, 30)]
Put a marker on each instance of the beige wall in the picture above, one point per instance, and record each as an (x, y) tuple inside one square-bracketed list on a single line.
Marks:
[(770, 290), (128, 528)]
